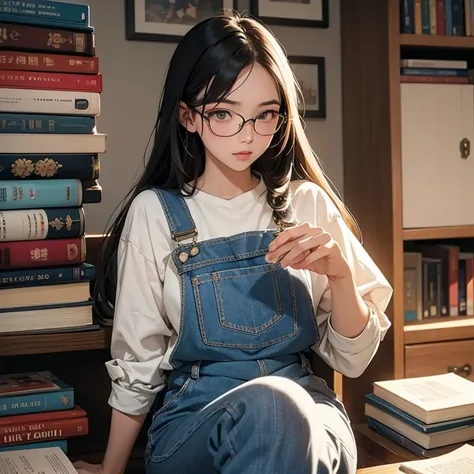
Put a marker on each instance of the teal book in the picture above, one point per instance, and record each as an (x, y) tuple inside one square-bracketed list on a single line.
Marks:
[(34, 392), (39, 194), (47, 12), (44, 123)]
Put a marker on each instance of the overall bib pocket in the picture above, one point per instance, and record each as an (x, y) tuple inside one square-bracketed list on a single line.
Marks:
[(248, 308)]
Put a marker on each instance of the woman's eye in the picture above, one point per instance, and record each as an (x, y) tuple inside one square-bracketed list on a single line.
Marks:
[(268, 115), (220, 115)]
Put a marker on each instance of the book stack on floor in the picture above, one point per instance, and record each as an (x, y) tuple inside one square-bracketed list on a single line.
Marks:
[(38, 410), (428, 415), (50, 89)]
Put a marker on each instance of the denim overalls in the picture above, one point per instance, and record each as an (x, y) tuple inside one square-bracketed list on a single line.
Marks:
[(241, 319)]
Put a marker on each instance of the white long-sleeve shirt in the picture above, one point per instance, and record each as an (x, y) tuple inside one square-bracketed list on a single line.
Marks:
[(148, 302)]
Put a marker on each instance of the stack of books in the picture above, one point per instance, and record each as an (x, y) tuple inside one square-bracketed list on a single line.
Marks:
[(37, 410), (427, 415), (50, 89)]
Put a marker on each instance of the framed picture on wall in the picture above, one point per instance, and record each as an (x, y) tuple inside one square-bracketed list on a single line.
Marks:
[(310, 72), (306, 13), (168, 20)]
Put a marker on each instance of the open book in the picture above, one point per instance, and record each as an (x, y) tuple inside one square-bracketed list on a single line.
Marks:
[(36, 461), (459, 461)]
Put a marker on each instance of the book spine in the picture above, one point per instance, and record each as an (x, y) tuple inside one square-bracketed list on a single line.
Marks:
[(60, 443), (50, 102), (43, 253), (37, 402), (51, 81), (46, 39), (40, 193), (434, 79), (46, 276), (40, 166), (458, 18), (407, 16), (61, 63), (41, 224), (422, 71), (44, 22), (45, 431), (48, 10), (40, 123), (462, 287)]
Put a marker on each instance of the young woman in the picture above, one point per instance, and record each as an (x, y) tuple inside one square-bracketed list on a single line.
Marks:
[(235, 260)]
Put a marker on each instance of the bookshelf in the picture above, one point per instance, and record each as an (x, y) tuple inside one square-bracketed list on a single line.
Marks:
[(371, 49), (14, 345)]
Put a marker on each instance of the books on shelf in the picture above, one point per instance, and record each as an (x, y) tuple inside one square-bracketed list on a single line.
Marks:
[(50, 147), (37, 409), (437, 17), (423, 413), (438, 281)]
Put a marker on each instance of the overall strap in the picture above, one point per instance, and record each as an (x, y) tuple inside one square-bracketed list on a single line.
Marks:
[(177, 214)]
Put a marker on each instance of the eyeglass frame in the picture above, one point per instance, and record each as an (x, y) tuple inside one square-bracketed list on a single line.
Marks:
[(244, 122)]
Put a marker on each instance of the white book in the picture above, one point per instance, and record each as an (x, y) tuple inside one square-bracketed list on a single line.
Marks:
[(459, 461), (433, 63), (36, 461), (11, 143), (30, 101), (430, 399)]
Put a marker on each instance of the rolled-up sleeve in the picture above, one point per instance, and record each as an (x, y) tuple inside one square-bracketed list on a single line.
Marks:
[(140, 333)]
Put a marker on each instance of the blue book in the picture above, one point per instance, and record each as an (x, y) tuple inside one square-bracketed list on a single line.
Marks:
[(407, 16), (40, 123), (46, 193), (418, 425), (34, 392), (397, 438), (428, 71), (448, 11), (31, 166), (46, 276), (59, 443), (45, 12), (425, 17), (457, 13)]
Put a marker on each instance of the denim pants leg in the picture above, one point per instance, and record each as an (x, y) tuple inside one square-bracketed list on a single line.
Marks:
[(267, 425)]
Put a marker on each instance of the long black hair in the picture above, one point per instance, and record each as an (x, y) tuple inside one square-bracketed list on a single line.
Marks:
[(210, 58)]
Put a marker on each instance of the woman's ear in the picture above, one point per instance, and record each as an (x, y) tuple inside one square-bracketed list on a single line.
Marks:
[(186, 118)]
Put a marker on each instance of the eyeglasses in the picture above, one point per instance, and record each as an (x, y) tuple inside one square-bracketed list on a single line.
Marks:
[(227, 123)]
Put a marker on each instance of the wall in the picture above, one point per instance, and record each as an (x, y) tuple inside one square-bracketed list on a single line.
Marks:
[(133, 75)]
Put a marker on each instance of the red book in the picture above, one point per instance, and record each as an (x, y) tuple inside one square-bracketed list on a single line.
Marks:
[(22, 429), (414, 78), (42, 253), (66, 63), (51, 81)]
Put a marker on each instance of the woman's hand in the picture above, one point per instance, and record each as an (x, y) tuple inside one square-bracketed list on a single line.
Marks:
[(86, 468), (310, 248)]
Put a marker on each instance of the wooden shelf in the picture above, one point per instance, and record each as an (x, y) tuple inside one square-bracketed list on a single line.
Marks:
[(14, 345), (427, 233), (433, 41), (440, 330)]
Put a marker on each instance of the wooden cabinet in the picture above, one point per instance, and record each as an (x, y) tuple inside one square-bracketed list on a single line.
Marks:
[(440, 357), (437, 137), (405, 179)]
